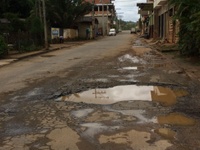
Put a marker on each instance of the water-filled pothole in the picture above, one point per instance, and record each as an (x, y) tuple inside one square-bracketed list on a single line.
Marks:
[(130, 68), (133, 59), (176, 119), (166, 133), (162, 95)]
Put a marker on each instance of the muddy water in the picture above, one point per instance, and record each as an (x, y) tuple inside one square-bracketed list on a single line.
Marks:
[(134, 139), (176, 119), (162, 95), (166, 133), (123, 122)]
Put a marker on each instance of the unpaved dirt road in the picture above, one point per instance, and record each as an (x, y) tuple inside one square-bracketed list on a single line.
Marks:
[(113, 93)]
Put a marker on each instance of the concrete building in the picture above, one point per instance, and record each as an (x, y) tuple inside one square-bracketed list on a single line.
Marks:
[(146, 21), (104, 14), (159, 23), (165, 28)]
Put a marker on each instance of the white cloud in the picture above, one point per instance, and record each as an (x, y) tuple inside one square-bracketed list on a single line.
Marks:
[(128, 9)]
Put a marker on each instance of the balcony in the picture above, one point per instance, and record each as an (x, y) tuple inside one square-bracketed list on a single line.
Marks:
[(143, 12), (159, 3), (145, 6)]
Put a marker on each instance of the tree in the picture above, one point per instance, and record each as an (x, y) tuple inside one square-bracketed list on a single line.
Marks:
[(20, 7), (65, 13), (188, 14), (3, 46)]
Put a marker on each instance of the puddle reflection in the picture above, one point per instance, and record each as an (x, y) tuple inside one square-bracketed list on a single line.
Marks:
[(164, 96), (130, 68)]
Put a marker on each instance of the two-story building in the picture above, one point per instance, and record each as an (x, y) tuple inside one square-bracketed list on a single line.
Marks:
[(104, 14), (146, 18), (164, 27)]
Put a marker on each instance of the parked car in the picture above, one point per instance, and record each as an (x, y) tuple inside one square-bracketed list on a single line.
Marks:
[(133, 30), (112, 32)]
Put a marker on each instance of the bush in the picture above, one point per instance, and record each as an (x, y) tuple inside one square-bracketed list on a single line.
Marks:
[(3, 47), (188, 14)]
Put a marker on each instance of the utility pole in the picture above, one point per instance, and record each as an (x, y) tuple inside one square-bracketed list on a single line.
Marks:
[(103, 28), (45, 26), (93, 20), (107, 9)]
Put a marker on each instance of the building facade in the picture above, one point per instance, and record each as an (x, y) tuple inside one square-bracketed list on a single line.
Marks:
[(104, 12), (162, 25)]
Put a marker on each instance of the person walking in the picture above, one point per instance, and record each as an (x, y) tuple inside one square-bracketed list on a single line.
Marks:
[(88, 33)]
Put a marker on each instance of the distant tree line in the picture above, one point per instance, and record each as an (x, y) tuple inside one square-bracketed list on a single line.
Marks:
[(127, 25), (25, 20)]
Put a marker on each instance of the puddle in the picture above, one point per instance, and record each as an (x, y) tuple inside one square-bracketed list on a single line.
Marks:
[(176, 119), (138, 43), (164, 96), (112, 95), (34, 92), (100, 116), (128, 80), (139, 114), (133, 139), (82, 113), (166, 133), (93, 129), (133, 59), (130, 68)]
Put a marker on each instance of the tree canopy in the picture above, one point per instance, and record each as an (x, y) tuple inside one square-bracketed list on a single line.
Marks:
[(64, 13)]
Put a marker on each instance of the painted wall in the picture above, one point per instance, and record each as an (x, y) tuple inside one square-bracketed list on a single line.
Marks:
[(70, 33)]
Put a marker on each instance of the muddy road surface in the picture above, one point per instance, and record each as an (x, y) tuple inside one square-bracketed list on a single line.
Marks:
[(115, 93)]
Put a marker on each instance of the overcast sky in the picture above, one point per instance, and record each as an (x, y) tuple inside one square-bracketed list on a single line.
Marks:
[(127, 9)]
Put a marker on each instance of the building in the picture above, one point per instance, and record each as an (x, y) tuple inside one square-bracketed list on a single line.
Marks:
[(159, 22), (146, 21), (104, 14)]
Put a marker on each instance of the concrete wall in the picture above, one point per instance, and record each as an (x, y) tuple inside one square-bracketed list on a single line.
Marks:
[(82, 30), (103, 23), (164, 26), (70, 33)]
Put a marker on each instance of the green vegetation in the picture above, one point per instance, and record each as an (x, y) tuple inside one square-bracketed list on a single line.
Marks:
[(127, 25), (23, 20), (188, 14), (3, 47), (64, 13)]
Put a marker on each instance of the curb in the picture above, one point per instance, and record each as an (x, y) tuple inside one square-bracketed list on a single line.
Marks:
[(15, 58)]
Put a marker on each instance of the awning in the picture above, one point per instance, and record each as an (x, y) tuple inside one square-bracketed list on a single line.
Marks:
[(145, 6)]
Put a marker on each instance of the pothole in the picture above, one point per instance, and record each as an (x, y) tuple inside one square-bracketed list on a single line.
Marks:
[(176, 119), (134, 139), (133, 59), (162, 95)]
